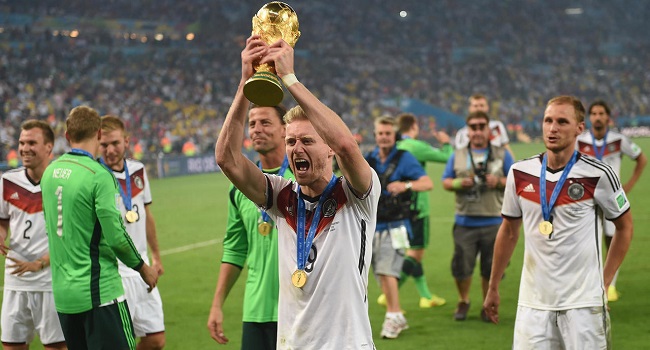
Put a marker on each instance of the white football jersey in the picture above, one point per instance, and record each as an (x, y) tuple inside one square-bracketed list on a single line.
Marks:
[(331, 310), (140, 196), (564, 270), (616, 146), (498, 135), (22, 205)]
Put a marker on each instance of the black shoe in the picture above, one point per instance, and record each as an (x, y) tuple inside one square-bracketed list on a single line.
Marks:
[(461, 311), (484, 316)]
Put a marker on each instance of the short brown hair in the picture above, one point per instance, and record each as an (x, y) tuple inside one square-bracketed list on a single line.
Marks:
[(111, 123), (477, 115), (83, 123), (280, 110), (405, 122), (48, 133), (602, 104), (578, 107)]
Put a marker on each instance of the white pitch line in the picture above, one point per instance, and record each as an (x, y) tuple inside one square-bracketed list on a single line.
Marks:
[(190, 247), (178, 249)]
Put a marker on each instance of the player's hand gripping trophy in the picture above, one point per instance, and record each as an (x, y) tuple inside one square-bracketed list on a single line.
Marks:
[(274, 21)]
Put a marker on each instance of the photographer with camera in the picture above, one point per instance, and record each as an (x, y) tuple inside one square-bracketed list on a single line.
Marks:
[(477, 174), (400, 175)]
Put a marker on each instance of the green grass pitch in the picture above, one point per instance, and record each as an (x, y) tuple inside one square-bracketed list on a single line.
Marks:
[(191, 216)]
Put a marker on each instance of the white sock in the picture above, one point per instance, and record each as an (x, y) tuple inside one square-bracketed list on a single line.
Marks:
[(395, 315)]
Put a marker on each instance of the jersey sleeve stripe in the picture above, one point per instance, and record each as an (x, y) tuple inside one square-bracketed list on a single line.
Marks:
[(231, 194), (95, 268), (611, 176), (362, 254)]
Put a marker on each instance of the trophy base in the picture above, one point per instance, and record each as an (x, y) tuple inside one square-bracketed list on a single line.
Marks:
[(264, 89)]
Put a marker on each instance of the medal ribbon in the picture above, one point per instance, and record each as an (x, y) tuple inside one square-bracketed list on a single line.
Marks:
[(126, 197), (599, 152), (283, 169), (82, 152), (548, 206), (304, 245)]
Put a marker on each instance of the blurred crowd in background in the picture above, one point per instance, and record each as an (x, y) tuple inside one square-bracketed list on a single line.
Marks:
[(137, 60)]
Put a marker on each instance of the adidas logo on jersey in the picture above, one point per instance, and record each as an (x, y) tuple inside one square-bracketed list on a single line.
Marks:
[(529, 188), (15, 196)]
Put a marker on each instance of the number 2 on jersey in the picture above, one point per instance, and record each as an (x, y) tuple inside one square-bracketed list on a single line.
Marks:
[(28, 225)]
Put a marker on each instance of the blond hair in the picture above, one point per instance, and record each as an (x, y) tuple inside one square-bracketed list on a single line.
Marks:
[(578, 107), (295, 113), (111, 123)]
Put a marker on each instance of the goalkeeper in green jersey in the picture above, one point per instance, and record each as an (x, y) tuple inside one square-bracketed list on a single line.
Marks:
[(409, 129), (85, 235)]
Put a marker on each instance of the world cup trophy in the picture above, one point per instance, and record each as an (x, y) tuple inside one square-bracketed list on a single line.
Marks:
[(274, 21)]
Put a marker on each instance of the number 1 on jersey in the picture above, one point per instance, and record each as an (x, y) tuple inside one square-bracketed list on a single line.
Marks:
[(59, 209)]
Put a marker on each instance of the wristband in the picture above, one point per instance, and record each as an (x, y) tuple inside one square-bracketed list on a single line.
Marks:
[(408, 185), (289, 80), (457, 184), (42, 263)]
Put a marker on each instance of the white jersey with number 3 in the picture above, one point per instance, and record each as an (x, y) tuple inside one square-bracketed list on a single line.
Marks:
[(140, 196), (564, 270), (22, 205), (331, 310)]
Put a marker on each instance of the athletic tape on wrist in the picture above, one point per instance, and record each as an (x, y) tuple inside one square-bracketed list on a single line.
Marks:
[(289, 80)]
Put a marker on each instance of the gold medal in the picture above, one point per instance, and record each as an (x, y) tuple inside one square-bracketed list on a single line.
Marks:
[(264, 228), (131, 216), (545, 228), (299, 278)]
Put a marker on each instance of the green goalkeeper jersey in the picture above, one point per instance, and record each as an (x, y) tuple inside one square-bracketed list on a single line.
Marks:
[(243, 244), (85, 233), (424, 152)]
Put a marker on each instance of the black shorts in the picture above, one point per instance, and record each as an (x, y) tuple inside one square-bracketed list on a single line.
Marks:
[(259, 336), (468, 243), (419, 238), (102, 328)]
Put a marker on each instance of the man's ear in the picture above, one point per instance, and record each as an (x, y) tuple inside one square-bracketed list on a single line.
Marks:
[(581, 128)]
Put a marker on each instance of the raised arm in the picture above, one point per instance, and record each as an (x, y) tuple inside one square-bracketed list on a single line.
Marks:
[(327, 123), (240, 170)]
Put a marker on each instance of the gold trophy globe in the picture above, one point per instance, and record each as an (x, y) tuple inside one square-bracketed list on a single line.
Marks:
[(274, 21)]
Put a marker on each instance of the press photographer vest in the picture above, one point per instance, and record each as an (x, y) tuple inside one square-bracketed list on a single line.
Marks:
[(481, 201), (392, 208)]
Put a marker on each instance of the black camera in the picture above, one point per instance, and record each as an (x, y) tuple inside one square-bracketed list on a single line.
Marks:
[(479, 174)]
